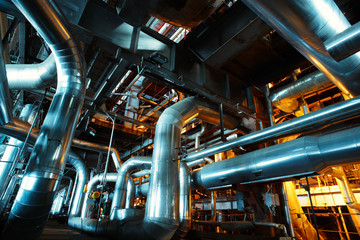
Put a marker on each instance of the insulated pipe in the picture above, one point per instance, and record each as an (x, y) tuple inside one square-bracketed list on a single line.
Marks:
[(101, 148), (82, 179), (110, 177), (5, 100), (312, 121), (162, 208), (184, 202), (298, 158), (348, 194), (142, 190), (306, 25), (12, 151), (130, 193), (285, 97), (120, 191), (31, 208), (67, 196), (344, 44), (32, 76)]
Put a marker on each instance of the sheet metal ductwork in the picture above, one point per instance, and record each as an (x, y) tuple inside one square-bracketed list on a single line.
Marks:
[(305, 156), (34, 199), (306, 25), (32, 76), (285, 98)]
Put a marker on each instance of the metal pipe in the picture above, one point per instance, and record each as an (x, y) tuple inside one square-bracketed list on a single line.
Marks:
[(19, 129), (82, 179), (301, 157), (314, 120), (110, 177), (98, 147), (31, 208), (5, 100), (306, 25), (32, 76), (120, 191), (344, 44), (142, 190), (285, 97), (130, 193), (141, 173), (12, 152), (67, 196), (184, 202)]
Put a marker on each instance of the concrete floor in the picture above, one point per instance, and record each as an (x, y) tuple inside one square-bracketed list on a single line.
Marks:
[(56, 231)]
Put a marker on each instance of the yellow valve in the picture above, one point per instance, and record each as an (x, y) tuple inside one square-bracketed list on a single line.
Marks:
[(94, 195)]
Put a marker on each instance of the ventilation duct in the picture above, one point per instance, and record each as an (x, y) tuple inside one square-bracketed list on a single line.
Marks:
[(34, 200), (298, 158), (306, 25), (285, 98), (31, 76)]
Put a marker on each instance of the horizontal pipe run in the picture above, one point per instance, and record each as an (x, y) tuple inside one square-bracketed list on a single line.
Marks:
[(344, 44), (306, 24), (285, 97), (32, 76), (314, 120), (305, 156)]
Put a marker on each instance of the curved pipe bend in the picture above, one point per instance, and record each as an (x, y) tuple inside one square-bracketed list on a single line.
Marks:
[(32, 76), (31, 208)]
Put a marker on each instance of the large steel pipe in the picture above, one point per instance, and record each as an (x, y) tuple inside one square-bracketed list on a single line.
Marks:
[(306, 25), (12, 152), (5, 100), (82, 179), (32, 76), (298, 158), (33, 202), (285, 97), (315, 120), (344, 44), (120, 191)]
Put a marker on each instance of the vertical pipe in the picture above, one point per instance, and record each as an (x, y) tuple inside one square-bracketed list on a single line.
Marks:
[(5, 100), (32, 206)]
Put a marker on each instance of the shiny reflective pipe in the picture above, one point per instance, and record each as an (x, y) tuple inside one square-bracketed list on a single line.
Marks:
[(306, 25), (94, 181), (12, 151), (120, 191), (33, 202), (285, 97), (32, 76), (344, 44), (312, 121), (184, 202), (305, 156), (5, 100), (82, 179)]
